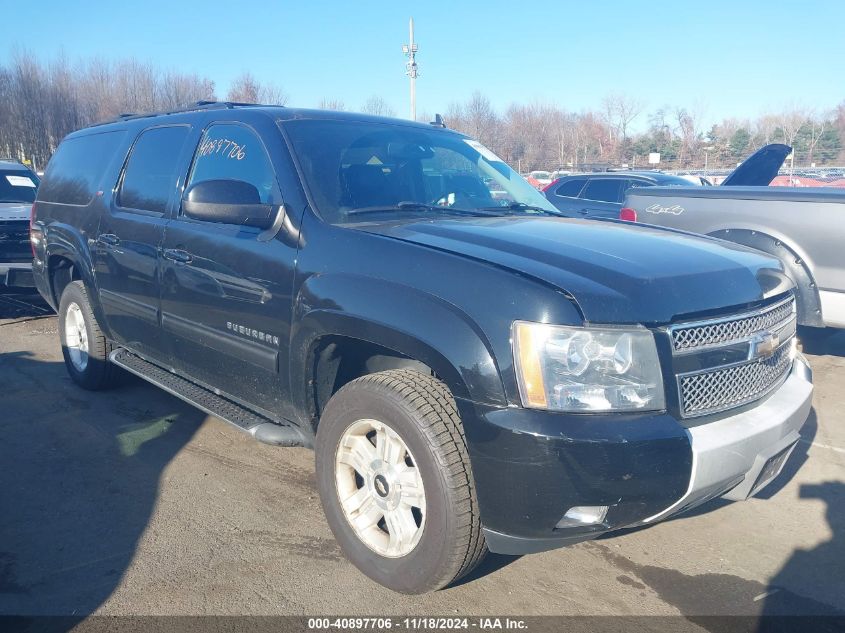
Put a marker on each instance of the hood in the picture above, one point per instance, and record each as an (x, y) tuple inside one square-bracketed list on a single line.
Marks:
[(616, 272), (14, 211), (759, 169)]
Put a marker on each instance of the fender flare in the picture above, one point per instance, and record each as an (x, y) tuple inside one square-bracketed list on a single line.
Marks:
[(403, 319), (795, 266), (66, 242)]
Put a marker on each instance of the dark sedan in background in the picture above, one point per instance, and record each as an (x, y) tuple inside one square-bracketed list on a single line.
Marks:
[(600, 195)]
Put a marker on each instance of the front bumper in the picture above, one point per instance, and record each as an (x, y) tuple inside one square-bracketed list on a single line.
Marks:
[(530, 467)]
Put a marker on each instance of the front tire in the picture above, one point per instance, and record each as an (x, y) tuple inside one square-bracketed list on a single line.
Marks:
[(395, 481), (84, 347)]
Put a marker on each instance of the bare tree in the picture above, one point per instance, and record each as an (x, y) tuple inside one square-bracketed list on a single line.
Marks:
[(247, 89), (331, 104), (378, 106), (789, 122), (816, 124), (619, 111), (476, 118), (689, 133)]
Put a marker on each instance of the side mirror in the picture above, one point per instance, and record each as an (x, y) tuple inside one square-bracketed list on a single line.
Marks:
[(227, 202)]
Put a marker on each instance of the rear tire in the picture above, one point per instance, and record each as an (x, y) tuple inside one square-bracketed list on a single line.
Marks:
[(392, 459), (84, 347)]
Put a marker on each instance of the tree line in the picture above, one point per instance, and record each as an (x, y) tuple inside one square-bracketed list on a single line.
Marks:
[(41, 102), (547, 136)]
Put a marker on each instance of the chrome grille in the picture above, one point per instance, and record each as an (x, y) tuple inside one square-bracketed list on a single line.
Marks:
[(710, 333), (726, 386), (712, 391)]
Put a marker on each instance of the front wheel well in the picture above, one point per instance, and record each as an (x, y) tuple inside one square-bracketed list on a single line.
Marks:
[(62, 271), (338, 360), (806, 291)]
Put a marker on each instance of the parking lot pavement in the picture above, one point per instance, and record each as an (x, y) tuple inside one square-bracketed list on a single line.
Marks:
[(131, 502)]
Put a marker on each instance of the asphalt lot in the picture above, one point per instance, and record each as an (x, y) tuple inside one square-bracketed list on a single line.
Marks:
[(131, 502)]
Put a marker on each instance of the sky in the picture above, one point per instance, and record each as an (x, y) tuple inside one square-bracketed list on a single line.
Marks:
[(723, 59)]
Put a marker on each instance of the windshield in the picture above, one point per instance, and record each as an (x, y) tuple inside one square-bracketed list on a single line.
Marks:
[(351, 165), (17, 186)]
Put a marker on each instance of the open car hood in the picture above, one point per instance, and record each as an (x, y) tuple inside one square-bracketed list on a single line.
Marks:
[(759, 169)]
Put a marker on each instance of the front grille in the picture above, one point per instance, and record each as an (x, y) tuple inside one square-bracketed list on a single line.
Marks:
[(14, 231), (734, 329), (713, 389)]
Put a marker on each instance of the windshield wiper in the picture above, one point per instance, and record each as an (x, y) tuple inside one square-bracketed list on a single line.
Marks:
[(521, 206), (421, 206)]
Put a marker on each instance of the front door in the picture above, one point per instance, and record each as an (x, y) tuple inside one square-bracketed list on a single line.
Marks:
[(226, 288), (130, 233)]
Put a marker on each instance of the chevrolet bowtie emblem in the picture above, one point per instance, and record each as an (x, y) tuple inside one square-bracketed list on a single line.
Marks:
[(763, 345)]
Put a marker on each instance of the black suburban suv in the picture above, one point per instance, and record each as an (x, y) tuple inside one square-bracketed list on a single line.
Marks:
[(473, 371)]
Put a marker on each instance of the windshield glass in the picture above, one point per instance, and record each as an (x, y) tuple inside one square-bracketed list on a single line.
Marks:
[(17, 186), (351, 165)]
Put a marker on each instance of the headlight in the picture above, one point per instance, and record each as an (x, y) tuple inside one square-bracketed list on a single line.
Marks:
[(587, 369)]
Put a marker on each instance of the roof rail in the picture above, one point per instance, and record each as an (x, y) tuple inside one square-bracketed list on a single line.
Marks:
[(199, 105)]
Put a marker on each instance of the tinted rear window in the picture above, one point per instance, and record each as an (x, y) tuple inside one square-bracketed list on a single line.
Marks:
[(150, 175), (603, 190), (570, 188), (77, 167), (17, 185)]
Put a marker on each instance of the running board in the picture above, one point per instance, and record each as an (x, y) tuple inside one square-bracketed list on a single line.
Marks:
[(261, 428)]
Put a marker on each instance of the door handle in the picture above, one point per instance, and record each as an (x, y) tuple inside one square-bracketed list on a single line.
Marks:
[(108, 239), (584, 211), (177, 255)]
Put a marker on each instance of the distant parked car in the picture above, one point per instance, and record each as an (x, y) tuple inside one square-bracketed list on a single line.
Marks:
[(600, 195), (18, 186), (539, 178), (695, 179)]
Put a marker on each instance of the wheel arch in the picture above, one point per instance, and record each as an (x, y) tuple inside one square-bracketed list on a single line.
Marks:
[(67, 259), (403, 327), (796, 265)]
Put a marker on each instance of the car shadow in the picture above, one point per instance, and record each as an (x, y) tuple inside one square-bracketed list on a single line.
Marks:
[(822, 341), (21, 303), (806, 594), (805, 567), (78, 484), (490, 565)]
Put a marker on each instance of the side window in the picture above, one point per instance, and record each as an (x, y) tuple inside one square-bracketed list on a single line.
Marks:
[(234, 152), (570, 188), (603, 190), (78, 166), (150, 174), (639, 183)]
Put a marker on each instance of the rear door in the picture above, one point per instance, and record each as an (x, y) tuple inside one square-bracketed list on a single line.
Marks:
[(601, 198), (564, 195), (130, 233), (226, 288)]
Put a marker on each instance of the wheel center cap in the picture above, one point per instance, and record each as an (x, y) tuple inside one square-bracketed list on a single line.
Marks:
[(381, 486)]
